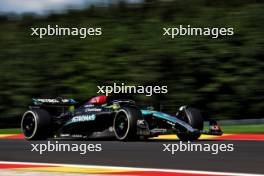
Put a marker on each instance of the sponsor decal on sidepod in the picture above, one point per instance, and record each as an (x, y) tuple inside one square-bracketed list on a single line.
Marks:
[(83, 118)]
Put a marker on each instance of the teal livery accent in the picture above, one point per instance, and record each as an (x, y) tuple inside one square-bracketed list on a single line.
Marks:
[(160, 115)]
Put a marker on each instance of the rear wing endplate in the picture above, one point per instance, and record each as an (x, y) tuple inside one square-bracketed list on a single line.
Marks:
[(57, 101)]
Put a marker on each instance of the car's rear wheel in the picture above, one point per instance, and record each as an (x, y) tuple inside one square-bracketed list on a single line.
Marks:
[(194, 118), (35, 124), (125, 123)]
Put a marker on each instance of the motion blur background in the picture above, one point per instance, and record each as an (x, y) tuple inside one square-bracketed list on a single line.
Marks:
[(222, 76)]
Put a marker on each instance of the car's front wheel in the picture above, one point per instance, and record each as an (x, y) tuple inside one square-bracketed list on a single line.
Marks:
[(125, 123), (194, 118)]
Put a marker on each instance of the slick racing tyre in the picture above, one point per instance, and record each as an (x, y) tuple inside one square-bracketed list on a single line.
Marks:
[(35, 124), (194, 118), (125, 123)]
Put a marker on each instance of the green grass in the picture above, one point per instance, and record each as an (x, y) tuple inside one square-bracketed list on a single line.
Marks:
[(259, 128), (226, 129), (10, 131)]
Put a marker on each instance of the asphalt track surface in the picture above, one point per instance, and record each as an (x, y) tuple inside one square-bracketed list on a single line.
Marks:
[(247, 156)]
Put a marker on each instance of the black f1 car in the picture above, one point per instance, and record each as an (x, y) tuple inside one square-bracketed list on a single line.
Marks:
[(56, 118)]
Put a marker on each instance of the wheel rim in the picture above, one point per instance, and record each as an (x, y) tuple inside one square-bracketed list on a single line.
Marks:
[(29, 125), (121, 126)]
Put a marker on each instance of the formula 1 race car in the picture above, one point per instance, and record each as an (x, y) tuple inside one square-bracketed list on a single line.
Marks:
[(122, 118)]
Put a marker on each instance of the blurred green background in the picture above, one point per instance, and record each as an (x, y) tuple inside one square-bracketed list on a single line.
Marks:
[(223, 76)]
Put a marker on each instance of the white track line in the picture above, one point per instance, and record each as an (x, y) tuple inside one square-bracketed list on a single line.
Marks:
[(135, 168)]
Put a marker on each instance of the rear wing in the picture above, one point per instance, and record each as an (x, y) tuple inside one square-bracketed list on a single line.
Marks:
[(57, 101)]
